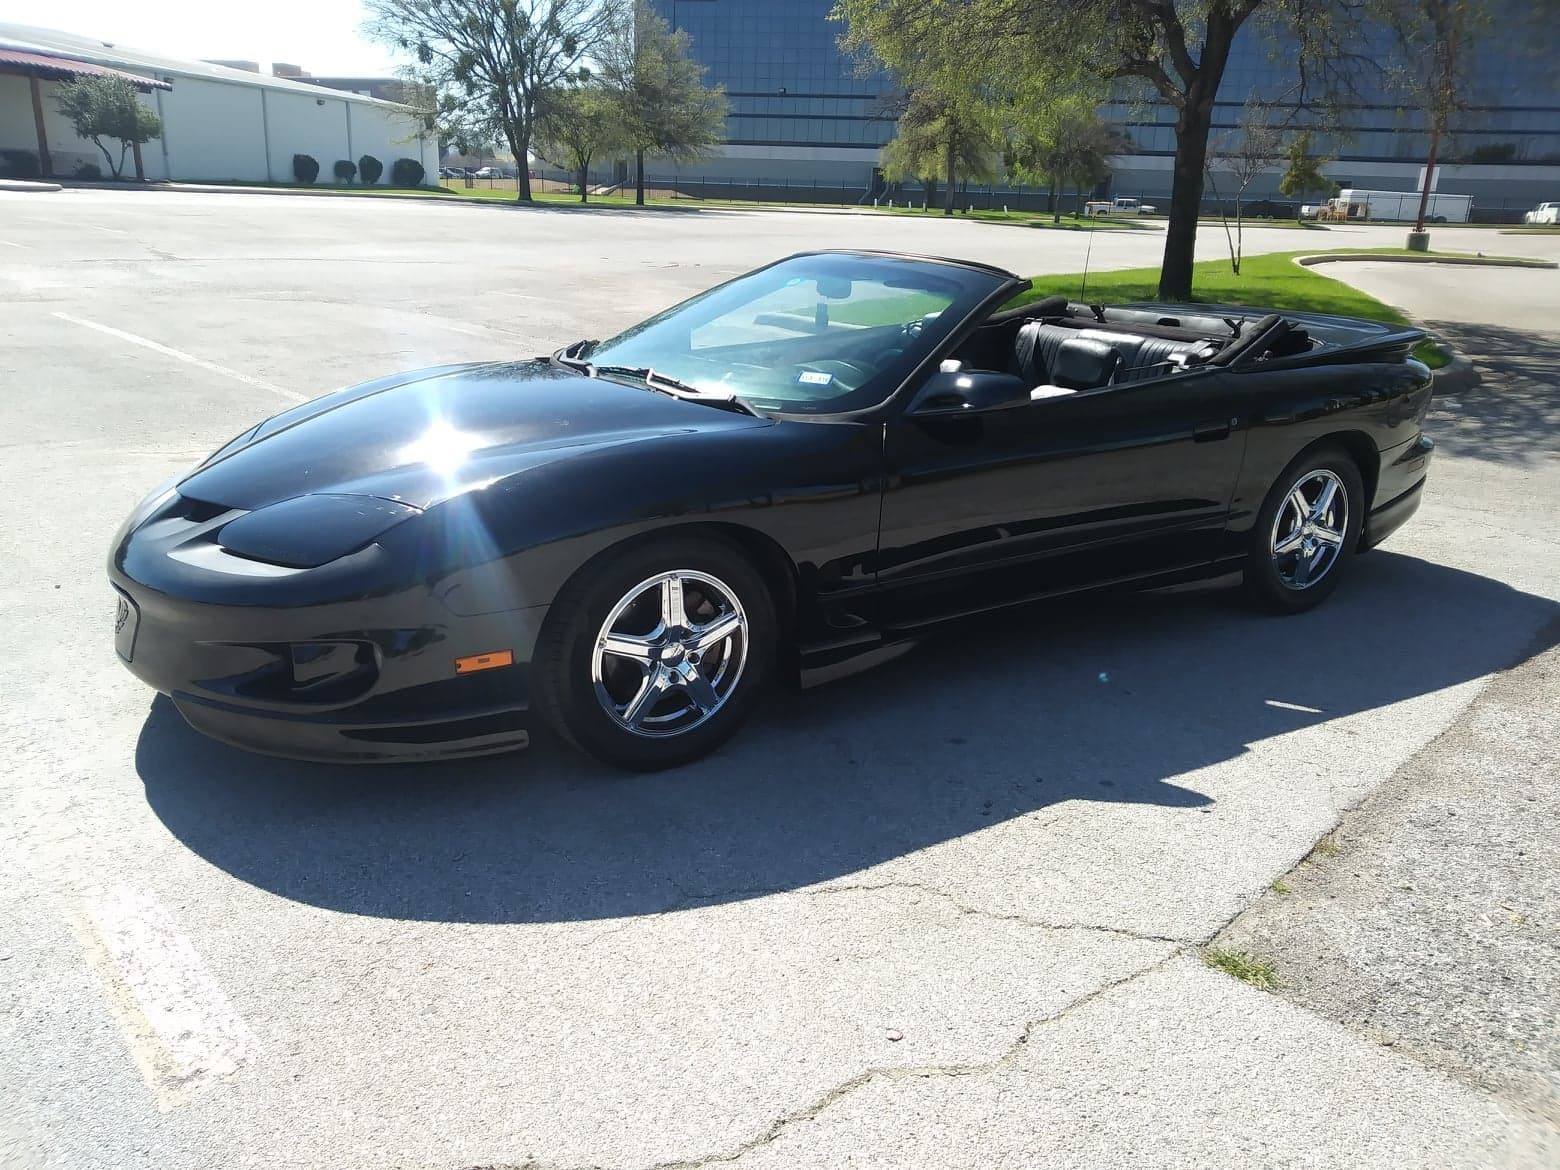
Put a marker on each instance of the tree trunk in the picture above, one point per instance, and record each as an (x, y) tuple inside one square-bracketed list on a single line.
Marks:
[(1191, 154), (520, 146), (1193, 121), (1240, 232), (951, 192), (1050, 199), (928, 193), (1424, 192), (639, 178), (108, 158), (584, 182)]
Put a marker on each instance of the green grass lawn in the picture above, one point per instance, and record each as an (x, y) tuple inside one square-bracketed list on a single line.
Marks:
[(1272, 281)]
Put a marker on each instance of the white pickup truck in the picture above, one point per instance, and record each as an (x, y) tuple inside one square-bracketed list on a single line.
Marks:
[(1543, 213), (1121, 205)]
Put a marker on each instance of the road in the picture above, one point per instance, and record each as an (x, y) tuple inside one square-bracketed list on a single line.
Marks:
[(946, 914)]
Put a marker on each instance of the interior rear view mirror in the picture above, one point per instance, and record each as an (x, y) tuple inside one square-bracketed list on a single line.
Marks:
[(834, 288)]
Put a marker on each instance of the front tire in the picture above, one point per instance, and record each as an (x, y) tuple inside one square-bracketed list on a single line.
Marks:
[(656, 656), (1306, 532)]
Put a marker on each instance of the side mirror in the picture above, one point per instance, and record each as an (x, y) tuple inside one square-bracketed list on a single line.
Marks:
[(951, 392)]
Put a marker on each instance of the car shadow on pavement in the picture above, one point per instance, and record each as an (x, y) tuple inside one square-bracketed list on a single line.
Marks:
[(1110, 700)]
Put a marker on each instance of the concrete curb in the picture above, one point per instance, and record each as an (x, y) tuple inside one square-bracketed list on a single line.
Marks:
[(27, 185), (1456, 376), (240, 189), (680, 207), (1432, 258)]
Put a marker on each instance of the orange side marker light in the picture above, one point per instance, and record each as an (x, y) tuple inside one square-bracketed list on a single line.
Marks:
[(475, 662)]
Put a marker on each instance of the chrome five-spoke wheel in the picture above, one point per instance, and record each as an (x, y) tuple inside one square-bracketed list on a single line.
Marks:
[(670, 653), (1309, 529)]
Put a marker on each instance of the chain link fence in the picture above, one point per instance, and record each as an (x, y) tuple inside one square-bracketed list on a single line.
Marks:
[(714, 189)]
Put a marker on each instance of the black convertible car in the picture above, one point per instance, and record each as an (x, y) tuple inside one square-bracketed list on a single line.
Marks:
[(788, 475)]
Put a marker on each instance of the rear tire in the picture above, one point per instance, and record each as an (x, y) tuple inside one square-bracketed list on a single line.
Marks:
[(1306, 533), (657, 655)]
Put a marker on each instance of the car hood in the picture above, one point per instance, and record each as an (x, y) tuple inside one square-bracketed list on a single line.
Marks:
[(424, 438)]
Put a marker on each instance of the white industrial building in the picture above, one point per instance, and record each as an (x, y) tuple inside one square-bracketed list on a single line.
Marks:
[(219, 124)]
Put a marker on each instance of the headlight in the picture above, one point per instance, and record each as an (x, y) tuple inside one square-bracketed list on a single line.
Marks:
[(308, 531)]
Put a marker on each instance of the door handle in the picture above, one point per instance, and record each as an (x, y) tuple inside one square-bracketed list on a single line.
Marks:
[(1207, 432)]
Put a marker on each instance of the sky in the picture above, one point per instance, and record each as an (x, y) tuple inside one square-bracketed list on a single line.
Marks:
[(322, 36)]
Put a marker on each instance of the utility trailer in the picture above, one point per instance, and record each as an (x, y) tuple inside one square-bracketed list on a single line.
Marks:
[(1397, 206)]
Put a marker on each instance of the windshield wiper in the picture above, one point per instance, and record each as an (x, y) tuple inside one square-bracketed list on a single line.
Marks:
[(676, 389), (567, 356)]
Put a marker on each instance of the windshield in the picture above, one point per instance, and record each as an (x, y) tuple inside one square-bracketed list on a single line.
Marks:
[(819, 334)]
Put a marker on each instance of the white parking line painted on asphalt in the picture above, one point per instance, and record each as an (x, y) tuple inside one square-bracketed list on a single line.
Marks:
[(180, 355), (178, 1025), (474, 330), (9, 244), (72, 224), (1281, 705)]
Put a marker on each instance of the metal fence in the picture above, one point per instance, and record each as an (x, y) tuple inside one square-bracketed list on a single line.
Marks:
[(969, 197)]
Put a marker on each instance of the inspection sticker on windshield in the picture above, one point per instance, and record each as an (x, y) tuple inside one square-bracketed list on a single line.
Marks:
[(814, 378)]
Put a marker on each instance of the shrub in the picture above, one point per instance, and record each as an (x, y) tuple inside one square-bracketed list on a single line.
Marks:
[(107, 109), (89, 171), (369, 169), (19, 164), (406, 172), (305, 168), (345, 169)]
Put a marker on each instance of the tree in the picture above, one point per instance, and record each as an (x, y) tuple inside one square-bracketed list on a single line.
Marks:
[(937, 132), (1066, 143), (495, 64), (1303, 170), (666, 107), (1437, 43), (107, 108), (1244, 153), (580, 124), (1176, 49)]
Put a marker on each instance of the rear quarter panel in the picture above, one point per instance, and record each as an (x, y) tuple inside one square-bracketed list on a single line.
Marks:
[(1370, 408)]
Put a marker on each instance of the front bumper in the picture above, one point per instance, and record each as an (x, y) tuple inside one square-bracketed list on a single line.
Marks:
[(349, 741), (317, 665)]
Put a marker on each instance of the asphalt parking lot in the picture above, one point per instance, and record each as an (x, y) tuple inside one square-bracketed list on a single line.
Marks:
[(944, 914)]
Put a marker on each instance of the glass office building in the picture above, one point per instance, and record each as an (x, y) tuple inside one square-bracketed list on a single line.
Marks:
[(802, 111), (799, 109)]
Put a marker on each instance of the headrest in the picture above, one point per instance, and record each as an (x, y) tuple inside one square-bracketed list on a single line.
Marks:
[(1083, 363)]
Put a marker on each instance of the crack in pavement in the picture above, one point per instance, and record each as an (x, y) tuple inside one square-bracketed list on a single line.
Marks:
[(862, 1079), (691, 900), (820, 1104)]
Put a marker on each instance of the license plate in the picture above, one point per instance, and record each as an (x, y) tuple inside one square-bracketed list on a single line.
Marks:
[(126, 620)]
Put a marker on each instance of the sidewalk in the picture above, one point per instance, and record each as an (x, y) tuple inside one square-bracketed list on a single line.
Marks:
[(1429, 921)]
